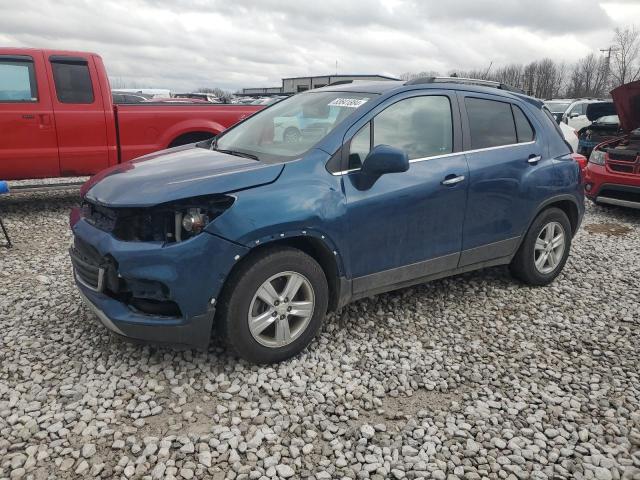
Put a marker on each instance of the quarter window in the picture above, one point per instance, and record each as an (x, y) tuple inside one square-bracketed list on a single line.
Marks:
[(17, 81), (359, 147), (73, 82), (523, 127), (491, 123)]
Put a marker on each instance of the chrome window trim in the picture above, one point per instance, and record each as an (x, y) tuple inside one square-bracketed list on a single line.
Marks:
[(434, 157)]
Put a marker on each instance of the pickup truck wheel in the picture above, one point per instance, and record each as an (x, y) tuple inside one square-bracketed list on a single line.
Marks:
[(291, 135), (274, 305), (191, 137), (545, 248)]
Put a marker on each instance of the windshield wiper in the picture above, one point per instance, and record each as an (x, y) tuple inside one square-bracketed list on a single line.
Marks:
[(239, 154)]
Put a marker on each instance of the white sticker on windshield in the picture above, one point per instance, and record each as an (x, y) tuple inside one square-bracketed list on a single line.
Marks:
[(348, 102)]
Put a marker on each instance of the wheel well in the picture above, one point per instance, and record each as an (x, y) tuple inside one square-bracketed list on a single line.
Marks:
[(190, 137), (570, 209), (317, 250)]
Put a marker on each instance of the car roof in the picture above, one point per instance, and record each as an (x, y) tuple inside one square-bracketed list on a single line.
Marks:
[(384, 87)]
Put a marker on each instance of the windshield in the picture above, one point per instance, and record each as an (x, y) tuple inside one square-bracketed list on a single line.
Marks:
[(291, 127), (557, 107), (608, 119)]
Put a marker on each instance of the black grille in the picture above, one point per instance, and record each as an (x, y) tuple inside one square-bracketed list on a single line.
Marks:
[(89, 274), (621, 168), (622, 155)]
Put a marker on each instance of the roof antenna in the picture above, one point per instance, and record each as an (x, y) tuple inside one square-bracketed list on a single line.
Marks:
[(336, 67)]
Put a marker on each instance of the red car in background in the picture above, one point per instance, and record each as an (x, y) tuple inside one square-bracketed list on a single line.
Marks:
[(57, 117), (612, 175)]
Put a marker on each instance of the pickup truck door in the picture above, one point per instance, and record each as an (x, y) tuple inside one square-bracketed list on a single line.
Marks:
[(28, 143), (79, 109), (405, 226)]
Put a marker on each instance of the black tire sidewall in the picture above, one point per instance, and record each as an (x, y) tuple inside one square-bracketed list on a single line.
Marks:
[(244, 286), (524, 264)]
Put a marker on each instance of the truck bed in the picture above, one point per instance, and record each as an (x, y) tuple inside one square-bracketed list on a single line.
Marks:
[(171, 124)]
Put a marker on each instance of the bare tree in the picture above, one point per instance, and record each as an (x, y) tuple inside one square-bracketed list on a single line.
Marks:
[(413, 75), (589, 77), (625, 55)]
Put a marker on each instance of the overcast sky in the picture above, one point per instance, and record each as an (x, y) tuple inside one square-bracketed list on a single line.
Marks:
[(186, 44)]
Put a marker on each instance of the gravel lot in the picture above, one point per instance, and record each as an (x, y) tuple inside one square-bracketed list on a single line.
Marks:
[(469, 377)]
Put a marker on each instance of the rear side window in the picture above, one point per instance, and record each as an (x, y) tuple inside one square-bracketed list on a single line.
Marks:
[(73, 81), (491, 123), (17, 81), (524, 129)]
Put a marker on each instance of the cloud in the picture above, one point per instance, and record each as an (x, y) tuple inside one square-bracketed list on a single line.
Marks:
[(186, 44)]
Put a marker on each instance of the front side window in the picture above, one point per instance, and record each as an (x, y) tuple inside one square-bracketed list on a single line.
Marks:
[(17, 81), (291, 127), (420, 126), (73, 82), (491, 123)]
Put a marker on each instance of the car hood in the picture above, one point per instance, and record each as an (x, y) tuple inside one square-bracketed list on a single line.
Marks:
[(175, 174), (627, 100), (600, 109)]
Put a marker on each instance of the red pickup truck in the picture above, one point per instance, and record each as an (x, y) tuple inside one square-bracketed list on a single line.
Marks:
[(57, 117)]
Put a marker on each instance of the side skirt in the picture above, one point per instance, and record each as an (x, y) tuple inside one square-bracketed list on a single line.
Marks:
[(498, 253)]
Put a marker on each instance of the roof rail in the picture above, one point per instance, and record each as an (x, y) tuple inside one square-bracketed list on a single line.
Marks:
[(340, 82), (465, 81)]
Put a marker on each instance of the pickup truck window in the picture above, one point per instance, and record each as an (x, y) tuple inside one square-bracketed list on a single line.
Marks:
[(17, 81), (290, 128), (73, 82)]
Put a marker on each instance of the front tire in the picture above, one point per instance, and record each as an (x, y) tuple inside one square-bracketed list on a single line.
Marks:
[(545, 249), (273, 305)]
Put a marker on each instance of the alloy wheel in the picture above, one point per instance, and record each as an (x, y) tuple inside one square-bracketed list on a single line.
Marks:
[(549, 247), (281, 309)]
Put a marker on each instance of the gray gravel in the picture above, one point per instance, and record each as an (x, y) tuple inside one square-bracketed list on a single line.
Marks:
[(469, 377)]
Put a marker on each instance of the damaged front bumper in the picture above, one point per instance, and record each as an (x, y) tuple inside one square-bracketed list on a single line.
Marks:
[(149, 290)]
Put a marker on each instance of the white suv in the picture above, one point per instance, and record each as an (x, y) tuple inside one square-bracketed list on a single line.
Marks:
[(576, 115)]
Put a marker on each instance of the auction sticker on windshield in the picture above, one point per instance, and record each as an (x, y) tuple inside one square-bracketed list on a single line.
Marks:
[(348, 102)]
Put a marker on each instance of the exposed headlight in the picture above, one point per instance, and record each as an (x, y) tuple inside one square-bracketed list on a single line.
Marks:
[(597, 157), (168, 222)]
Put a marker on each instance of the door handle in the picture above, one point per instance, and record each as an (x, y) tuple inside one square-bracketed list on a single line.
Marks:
[(534, 159), (453, 180)]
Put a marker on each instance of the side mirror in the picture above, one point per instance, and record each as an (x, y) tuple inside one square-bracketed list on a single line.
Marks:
[(385, 159)]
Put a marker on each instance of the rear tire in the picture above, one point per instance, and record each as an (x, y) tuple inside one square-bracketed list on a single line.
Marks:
[(262, 331), (545, 249)]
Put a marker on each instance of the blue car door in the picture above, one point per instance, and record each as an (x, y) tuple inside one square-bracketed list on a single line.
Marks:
[(509, 168), (405, 226)]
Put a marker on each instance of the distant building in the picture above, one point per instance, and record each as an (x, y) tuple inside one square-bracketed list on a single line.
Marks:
[(301, 84)]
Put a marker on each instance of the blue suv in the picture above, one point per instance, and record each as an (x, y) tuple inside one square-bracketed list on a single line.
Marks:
[(386, 185)]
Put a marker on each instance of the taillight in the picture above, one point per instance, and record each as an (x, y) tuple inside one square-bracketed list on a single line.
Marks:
[(580, 160)]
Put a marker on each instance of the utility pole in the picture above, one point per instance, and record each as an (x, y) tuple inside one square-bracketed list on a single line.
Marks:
[(607, 63), (485, 76)]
